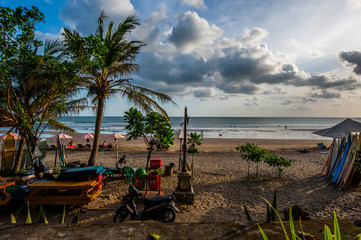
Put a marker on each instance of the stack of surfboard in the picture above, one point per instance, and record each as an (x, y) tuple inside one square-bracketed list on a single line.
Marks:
[(340, 164)]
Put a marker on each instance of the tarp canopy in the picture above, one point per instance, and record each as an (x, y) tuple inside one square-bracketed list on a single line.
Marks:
[(341, 129)]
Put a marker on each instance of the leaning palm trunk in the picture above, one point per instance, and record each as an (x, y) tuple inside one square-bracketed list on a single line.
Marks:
[(19, 155), (98, 122)]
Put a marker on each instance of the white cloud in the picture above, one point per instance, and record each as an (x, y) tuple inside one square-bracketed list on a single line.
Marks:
[(292, 42), (193, 31), (194, 3), (316, 53), (117, 7), (354, 3), (254, 35), (204, 92), (83, 14)]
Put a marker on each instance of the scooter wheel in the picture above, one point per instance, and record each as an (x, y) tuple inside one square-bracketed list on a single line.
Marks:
[(168, 215), (121, 215)]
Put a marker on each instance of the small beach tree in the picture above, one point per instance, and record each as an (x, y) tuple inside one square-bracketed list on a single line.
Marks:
[(154, 128), (251, 152), (278, 162), (194, 141), (107, 58)]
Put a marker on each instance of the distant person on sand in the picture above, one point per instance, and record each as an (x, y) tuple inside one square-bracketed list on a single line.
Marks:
[(105, 146), (70, 144)]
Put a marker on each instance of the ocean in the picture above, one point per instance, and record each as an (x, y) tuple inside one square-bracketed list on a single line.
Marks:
[(222, 127)]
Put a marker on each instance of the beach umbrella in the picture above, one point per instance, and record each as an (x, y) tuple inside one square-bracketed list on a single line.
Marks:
[(87, 136), (115, 136), (62, 136), (341, 129)]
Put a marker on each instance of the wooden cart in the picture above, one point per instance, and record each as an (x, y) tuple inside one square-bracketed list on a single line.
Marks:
[(60, 193)]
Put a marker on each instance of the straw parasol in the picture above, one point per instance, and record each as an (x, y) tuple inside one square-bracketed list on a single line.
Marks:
[(341, 129)]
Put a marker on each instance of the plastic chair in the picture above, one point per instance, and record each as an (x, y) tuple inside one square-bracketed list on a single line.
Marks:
[(129, 172), (81, 146)]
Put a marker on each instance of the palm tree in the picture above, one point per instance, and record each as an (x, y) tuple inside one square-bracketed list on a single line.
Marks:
[(107, 59), (39, 93)]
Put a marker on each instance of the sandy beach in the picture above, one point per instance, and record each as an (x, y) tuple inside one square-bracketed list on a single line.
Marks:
[(220, 182)]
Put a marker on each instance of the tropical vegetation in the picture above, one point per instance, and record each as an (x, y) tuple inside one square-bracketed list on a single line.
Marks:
[(154, 128), (107, 58), (251, 152), (35, 88), (194, 140)]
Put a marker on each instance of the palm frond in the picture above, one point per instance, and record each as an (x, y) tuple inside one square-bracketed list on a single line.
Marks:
[(163, 98), (109, 32), (54, 124), (143, 98), (100, 29), (75, 106), (52, 47)]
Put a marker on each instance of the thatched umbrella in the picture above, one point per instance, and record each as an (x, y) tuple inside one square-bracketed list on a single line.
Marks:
[(340, 130)]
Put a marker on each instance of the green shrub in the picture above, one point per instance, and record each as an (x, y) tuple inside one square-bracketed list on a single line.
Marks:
[(278, 162), (251, 152)]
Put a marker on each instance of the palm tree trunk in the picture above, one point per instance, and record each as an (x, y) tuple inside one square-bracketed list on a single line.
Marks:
[(19, 155), (98, 122)]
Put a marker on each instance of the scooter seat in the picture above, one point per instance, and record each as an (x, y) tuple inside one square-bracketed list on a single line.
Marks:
[(148, 202)]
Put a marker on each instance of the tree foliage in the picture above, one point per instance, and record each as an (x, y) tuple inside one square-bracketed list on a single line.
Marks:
[(107, 58), (194, 140), (34, 88), (154, 128), (278, 162), (251, 152)]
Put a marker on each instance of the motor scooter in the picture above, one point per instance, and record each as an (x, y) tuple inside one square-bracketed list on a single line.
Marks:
[(160, 208)]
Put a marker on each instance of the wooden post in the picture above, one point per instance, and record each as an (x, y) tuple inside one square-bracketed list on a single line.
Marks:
[(185, 140)]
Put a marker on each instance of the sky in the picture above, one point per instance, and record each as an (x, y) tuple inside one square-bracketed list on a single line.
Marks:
[(232, 58)]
